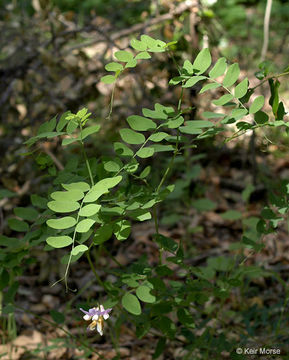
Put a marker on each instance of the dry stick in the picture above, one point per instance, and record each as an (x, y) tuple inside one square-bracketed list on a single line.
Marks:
[(266, 29)]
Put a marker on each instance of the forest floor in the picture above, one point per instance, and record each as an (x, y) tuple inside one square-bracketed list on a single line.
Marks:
[(211, 234)]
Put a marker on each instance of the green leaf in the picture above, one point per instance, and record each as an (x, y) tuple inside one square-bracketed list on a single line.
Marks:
[(71, 126), (239, 113), (62, 223), (57, 316), (162, 148), (59, 241), (131, 137), (176, 80), (79, 249), (18, 225), (166, 243), (160, 347), (68, 141), (4, 193), (261, 117), (257, 104), (202, 61), (124, 56), (27, 213), (81, 113), (212, 115), (140, 215), (242, 88), (209, 87), (48, 126), (204, 204), (274, 98), (38, 201), (193, 80), (232, 75), (131, 64), (223, 99), (88, 131), (122, 230), (81, 185), (112, 166), (62, 121), (191, 130), (140, 123), (218, 69), (159, 136), (143, 56), (143, 293), (122, 150), (101, 188), (145, 172), (131, 303), (138, 45), (103, 234), (161, 112), (108, 79), (232, 215), (153, 44), (63, 206), (188, 66), (145, 152), (113, 66), (175, 123), (84, 225), (199, 123), (89, 210), (71, 195)]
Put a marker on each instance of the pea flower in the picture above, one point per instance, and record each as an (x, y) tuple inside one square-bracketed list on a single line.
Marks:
[(97, 315)]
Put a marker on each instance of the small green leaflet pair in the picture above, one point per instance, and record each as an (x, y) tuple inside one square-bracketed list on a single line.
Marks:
[(131, 302)]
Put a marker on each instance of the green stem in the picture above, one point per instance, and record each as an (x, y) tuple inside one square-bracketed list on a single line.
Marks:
[(270, 77), (101, 283), (85, 157), (111, 103)]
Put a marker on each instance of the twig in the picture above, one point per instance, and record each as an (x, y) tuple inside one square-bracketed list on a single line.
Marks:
[(53, 157), (266, 29)]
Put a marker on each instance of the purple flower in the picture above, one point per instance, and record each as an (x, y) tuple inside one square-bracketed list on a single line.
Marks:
[(97, 315)]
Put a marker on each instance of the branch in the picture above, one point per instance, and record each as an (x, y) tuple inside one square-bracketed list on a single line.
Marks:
[(266, 29)]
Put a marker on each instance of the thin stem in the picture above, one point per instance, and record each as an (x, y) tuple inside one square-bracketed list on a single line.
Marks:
[(85, 157), (228, 90), (101, 283), (111, 103), (270, 77), (70, 255)]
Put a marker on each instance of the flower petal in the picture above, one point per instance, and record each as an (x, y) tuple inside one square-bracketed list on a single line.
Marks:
[(92, 325), (105, 316), (85, 312), (95, 317), (99, 328), (86, 317)]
